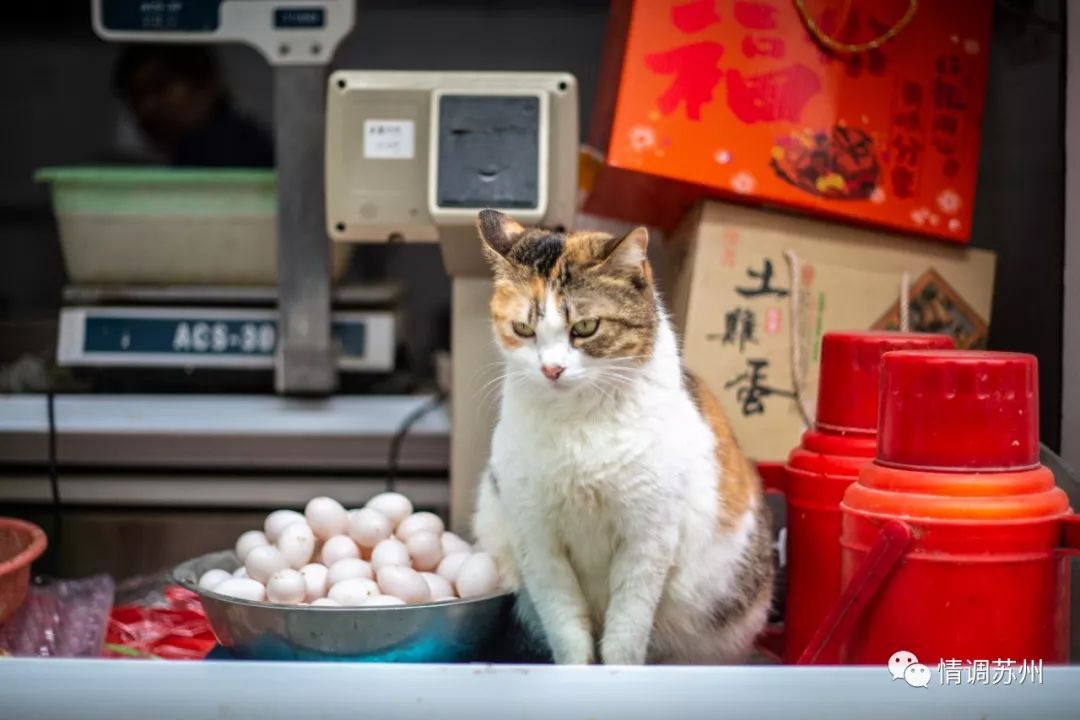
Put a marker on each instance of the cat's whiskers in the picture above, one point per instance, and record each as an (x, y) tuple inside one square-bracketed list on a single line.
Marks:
[(612, 384), (507, 371), (619, 375), (488, 393), (599, 388)]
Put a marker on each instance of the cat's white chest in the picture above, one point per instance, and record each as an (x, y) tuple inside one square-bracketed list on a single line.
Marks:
[(572, 463), (571, 478), (589, 538)]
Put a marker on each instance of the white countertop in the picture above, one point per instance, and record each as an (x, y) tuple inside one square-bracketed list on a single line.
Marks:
[(122, 689)]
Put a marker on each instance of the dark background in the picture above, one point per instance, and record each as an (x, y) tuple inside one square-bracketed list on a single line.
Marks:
[(57, 108)]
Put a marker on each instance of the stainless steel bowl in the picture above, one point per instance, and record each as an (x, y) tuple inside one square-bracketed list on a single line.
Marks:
[(457, 631)]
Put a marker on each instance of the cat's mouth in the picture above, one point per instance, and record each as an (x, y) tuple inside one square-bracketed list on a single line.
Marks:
[(561, 385)]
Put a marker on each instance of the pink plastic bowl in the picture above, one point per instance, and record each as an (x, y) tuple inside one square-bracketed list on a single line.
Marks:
[(21, 543)]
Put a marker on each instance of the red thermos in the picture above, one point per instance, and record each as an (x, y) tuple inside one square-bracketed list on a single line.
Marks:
[(982, 575), (820, 470)]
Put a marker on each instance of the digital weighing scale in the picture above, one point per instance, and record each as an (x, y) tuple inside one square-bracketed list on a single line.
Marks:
[(297, 39), (206, 446), (362, 157)]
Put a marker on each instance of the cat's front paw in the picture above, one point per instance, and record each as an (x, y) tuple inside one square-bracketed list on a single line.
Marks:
[(574, 648), (622, 650)]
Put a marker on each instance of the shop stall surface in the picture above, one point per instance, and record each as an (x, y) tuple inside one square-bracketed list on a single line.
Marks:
[(118, 689)]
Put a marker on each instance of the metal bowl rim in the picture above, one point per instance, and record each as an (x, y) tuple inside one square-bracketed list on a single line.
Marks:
[(201, 592)]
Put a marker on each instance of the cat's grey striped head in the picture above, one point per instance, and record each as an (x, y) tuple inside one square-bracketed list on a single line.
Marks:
[(569, 309)]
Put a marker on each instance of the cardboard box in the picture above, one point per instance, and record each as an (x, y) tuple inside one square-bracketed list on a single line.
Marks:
[(739, 99), (730, 289)]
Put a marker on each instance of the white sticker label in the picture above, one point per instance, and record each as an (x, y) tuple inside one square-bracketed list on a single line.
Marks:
[(389, 139)]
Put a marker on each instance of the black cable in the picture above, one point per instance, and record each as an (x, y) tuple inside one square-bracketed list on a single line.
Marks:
[(54, 487), (403, 429)]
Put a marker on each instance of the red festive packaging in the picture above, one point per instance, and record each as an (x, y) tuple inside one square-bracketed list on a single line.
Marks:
[(763, 100)]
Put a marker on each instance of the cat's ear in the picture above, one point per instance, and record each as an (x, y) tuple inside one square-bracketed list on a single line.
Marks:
[(627, 253), (498, 230)]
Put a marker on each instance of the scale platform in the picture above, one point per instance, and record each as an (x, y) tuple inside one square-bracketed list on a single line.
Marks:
[(204, 327)]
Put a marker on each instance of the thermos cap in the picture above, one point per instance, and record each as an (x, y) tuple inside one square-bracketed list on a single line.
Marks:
[(848, 389), (954, 410)]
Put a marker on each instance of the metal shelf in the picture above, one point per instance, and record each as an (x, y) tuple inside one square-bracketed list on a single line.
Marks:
[(214, 432)]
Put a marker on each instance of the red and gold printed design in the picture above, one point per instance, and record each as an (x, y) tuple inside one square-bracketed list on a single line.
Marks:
[(743, 98)]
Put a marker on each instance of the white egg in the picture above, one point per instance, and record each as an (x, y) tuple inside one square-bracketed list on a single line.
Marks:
[(478, 576), (297, 544), (368, 526), (451, 566), (287, 587), (425, 549), (315, 581), (242, 588), (395, 506), (347, 569), (212, 578), (382, 601), (389, 552), (403, 582), (248, 541), (325, 602), (278, 521), (327, 517), (353, 592), (452, 543), (262, 562), (418, 522), (337, 548), (439, 587), (240, 572)]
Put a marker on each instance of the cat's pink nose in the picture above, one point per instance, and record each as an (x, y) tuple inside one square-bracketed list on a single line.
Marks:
[(552, 372)]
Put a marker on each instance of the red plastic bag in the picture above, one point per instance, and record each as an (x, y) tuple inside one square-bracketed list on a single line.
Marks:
[(175, 630)]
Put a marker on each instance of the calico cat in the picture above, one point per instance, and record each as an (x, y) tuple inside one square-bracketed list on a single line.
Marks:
[(616, 500)]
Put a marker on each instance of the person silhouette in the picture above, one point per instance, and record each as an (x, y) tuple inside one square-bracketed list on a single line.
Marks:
[(177, 97)]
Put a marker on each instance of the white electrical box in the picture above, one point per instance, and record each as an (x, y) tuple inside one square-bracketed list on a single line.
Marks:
[(413, 156)]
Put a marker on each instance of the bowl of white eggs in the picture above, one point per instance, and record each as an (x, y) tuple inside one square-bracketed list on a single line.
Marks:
[(381, 584)]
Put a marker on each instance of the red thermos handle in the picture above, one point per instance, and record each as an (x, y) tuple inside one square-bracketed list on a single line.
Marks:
[(892, 543)]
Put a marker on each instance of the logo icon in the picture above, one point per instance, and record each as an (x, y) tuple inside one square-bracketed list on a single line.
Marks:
[(917, 675), (900, 662)]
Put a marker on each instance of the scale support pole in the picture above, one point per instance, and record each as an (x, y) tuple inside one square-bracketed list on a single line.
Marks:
[(305, 362)]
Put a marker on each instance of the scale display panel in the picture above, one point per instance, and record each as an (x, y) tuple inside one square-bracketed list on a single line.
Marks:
[(204, 337), (295, 18), (161, 15), (287, 32)]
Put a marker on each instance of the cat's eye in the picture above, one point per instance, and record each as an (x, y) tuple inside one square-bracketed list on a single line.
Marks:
[(523, 330), (584, 328)]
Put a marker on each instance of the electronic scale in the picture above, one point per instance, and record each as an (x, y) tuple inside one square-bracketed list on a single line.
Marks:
[(183, 413)]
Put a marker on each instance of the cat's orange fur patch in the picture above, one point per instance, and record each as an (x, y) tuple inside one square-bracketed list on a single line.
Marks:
[(506, 306), (738, 483), (582, 249)]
